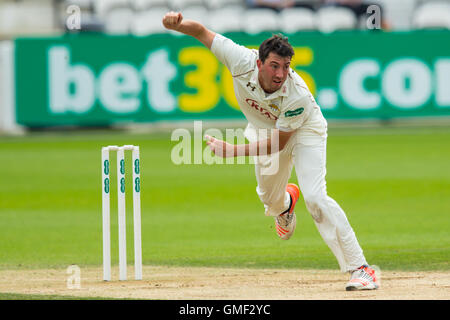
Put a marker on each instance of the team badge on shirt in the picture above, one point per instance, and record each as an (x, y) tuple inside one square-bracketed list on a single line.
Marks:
[(274, 107)]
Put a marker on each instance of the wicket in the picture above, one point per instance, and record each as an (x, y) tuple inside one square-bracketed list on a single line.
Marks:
[(121, 212)]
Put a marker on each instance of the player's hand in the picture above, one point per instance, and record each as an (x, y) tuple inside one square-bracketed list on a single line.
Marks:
[(172, 20), (220, 148)]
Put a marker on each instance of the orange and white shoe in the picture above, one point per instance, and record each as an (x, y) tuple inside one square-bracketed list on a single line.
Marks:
[(285, 223), (363, 278)]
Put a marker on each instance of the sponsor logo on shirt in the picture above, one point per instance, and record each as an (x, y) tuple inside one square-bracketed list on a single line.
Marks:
[(293, 113), (252, 103), (249, 85)]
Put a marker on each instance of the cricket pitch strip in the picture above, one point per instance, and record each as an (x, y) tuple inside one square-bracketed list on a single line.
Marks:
[(201, 283)]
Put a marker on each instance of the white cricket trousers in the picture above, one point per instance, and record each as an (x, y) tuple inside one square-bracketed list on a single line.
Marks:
[(310, 166)]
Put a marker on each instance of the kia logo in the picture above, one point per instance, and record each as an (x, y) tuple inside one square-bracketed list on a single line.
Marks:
[(252, 103)]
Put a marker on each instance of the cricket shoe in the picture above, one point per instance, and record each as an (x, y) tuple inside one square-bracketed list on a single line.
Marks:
[(285, 223), (363, 278)]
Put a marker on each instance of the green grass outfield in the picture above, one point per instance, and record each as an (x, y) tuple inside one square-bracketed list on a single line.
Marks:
[(393, 183)]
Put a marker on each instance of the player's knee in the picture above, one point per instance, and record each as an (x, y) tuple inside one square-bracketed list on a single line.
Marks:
[(264, 196), (273, 203), (268, 196), (314, 203), (313, 199)]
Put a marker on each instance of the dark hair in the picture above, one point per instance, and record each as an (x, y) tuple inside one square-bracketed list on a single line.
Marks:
[(278, 44)]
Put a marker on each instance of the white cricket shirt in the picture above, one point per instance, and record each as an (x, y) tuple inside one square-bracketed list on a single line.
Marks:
[(292, 107)]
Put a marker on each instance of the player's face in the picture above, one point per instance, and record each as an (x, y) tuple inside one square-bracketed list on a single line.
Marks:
[(273, 72)]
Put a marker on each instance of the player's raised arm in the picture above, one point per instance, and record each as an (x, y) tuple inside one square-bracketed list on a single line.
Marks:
[(174, 21)]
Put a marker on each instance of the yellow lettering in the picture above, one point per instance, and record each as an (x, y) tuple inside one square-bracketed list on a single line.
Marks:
[(203, 79), (304, 56)]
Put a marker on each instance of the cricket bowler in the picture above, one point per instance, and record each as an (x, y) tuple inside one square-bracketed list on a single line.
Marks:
[(273, 96)]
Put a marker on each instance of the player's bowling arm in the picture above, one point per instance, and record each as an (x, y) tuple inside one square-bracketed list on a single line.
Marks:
[(283, 137), (275, 143), (175, 21)]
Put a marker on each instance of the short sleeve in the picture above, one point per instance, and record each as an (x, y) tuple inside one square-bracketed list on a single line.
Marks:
[(294, 116), (238, 59)]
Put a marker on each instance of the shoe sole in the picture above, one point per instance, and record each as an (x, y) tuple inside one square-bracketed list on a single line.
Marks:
[(289, 234), (353, 288), (294, 192)]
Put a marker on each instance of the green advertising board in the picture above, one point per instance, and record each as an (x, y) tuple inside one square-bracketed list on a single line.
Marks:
[(97, 79)]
